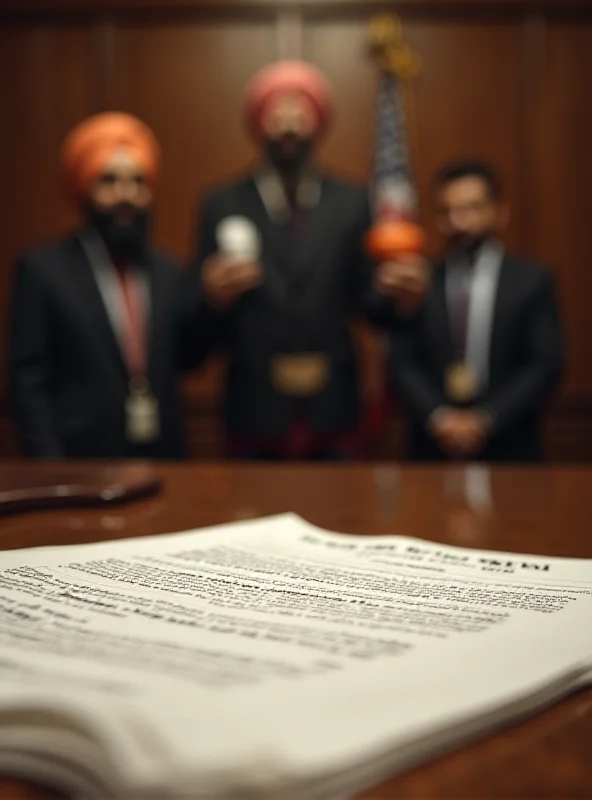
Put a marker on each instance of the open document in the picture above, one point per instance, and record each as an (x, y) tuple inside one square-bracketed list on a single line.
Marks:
[(272, 659)]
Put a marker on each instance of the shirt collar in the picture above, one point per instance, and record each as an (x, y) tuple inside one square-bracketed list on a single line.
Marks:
[(491, 248), (491, 251), (97, 251), (273, 196)]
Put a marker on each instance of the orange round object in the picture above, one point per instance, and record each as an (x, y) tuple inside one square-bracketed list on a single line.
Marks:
[(392, 238)]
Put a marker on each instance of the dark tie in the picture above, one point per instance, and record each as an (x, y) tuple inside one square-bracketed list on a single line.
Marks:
[(459, 308)]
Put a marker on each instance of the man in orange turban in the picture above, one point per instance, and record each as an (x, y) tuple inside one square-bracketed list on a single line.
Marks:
[(90, 147), (283, 264), (101, 323)]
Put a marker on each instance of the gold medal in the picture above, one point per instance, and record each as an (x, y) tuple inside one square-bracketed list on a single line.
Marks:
[(461, 383), (141, 413), (300, 375)]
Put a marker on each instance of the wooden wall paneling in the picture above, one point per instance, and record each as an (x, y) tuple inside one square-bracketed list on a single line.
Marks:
[(105, 67), (468, 102), (534, 28), (186, 81), (467, 98), (562, 189), (289, 33), (568, 431), (339, 48), (46, 85)]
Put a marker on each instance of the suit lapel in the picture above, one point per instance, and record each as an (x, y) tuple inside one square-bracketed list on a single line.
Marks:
[(442, 333), (292, 266), (83, 280), (501, 303), (272, 243), (158, 292)]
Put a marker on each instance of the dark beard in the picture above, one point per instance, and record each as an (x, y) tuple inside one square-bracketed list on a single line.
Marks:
[(289, 153), (127, 241), (469, 245)]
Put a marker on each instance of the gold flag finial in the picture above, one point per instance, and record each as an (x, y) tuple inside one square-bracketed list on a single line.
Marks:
[(390, 49)]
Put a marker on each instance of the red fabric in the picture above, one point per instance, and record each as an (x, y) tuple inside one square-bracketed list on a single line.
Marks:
[(284, 77), (300, 441), (135, 344), (374, 419)]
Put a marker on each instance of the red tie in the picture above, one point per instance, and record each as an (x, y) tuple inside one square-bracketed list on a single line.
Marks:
[(134, 334)]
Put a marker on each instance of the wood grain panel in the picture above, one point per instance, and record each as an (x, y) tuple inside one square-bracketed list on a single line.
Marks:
[(562, 186), (186, 81), (466, 100), (46, 85)]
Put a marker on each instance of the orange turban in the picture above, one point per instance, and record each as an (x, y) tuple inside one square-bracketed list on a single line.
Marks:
[(285, 77), (93, 143)]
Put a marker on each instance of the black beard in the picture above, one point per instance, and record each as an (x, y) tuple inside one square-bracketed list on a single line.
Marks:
[(470, 245), (125, 241), (289, 153)]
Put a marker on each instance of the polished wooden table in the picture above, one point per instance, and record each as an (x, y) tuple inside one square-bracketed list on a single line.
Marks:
[(539, 510)]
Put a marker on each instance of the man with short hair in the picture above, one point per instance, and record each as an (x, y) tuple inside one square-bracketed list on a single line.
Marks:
[(485, 351), (101, 323), (282, 260)]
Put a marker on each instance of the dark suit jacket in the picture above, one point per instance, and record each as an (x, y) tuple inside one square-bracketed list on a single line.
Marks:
[(66, 374), (525, 362), (305, 303)]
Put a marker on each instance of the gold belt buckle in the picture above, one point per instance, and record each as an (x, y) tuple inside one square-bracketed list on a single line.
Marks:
[(300, 375)]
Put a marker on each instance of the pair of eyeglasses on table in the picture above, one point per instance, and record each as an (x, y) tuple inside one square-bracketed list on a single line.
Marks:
[(540, 510)]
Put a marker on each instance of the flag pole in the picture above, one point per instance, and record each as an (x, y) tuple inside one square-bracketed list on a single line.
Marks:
[(394, 231), (394, 56)]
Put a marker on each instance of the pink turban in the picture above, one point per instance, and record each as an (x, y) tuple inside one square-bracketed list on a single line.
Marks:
[(287, 77), (93, 143)]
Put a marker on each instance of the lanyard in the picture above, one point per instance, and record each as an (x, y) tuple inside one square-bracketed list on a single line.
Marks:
[(124, 295)]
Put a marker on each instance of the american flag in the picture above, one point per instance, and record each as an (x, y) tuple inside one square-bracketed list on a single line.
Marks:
[(393, 196), (392, 188)]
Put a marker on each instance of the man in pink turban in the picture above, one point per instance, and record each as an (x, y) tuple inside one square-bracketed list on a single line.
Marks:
[(101, 323), (283, 265)]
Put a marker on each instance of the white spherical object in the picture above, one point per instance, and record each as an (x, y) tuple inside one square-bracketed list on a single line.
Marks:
[(238, 237)]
